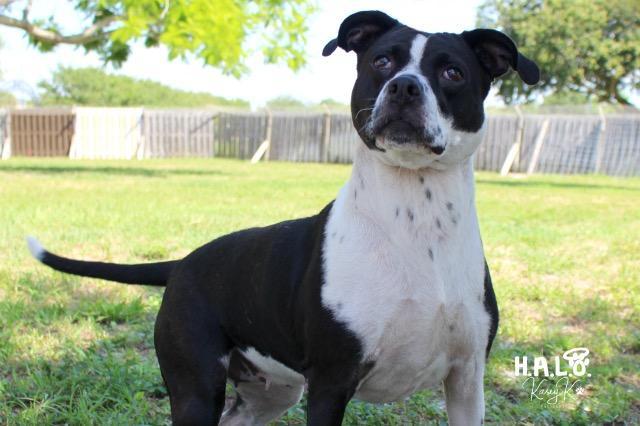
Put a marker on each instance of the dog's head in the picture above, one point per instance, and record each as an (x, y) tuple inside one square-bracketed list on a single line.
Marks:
[(418, 98)]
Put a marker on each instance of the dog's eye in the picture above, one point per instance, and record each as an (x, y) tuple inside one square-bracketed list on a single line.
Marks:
[(382, 62), (453, 74)]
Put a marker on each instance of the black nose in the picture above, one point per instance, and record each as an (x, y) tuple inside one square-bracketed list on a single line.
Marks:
[(405, 88)]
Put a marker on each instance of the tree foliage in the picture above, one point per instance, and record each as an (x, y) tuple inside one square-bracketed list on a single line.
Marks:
[(589, 47), (286, 103), (7, 99), (333, 104), (290, 103), (216, 31), (93, 86)]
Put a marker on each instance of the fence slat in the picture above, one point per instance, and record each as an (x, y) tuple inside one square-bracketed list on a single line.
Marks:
[(40, 132), (179, 133), (3, 131), (107, 133)]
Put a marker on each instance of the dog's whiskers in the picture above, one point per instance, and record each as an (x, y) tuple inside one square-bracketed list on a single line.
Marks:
[(362, 110)]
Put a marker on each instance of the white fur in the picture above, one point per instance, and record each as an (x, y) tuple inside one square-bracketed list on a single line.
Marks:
[(274, 371), (36, 249), (264, 402), (381, 282)]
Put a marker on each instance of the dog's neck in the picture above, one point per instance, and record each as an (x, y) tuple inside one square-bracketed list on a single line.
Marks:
[(438, 202)]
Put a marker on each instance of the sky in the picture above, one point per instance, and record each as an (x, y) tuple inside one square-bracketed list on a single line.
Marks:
[(23, 66)]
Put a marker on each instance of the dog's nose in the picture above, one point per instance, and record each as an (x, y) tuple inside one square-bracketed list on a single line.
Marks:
[(405, 88)]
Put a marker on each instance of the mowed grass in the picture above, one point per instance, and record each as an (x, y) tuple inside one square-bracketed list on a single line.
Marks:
[(564, 253)]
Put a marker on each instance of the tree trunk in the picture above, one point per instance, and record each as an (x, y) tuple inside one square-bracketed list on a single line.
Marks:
[(620, 98)]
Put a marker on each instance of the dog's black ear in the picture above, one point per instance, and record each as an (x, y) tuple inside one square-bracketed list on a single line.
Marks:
[(497, 53), (359, 30)]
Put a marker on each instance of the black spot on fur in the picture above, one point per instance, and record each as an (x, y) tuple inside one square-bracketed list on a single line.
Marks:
[(438, 223), (410, 215), (431, 254), (427, 192), (452, 327), (449, 205), (339, 306), (341, 239), (333, 234), (355, 194), (421, 179), (397, 211), (454, 220)]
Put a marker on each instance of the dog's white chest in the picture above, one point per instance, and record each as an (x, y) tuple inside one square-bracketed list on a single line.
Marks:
[(404, 271)]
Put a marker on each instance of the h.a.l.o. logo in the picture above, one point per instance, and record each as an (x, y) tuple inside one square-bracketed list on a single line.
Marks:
[(576, 358)]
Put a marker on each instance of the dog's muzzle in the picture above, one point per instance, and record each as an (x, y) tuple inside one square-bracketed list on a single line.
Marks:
[(401, 117)]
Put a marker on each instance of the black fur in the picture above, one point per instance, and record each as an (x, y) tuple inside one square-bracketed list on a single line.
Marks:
[(491, 305), (155, 274)]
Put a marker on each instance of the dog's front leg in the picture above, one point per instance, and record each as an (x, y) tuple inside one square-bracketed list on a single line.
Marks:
[(464, 393), (328, 397)]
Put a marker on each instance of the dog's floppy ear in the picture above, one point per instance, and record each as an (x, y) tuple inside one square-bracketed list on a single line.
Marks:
[(497, 53), (359, 30)]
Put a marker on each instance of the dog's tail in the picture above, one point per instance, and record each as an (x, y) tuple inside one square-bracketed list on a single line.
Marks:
[(155, 274)]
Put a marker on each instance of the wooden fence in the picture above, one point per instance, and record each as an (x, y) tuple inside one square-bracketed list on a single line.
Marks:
[(501, 133), (343, 137), (240, 134), (41, 132), (534, 143), (3, 133), (297, 138), (178, 133), (107, 133), (568, 144), (620, 153)]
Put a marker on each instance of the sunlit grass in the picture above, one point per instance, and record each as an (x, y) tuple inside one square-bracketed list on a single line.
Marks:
[(564, 253)]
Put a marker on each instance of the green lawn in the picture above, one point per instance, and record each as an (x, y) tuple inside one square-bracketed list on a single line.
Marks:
[(564, 253)]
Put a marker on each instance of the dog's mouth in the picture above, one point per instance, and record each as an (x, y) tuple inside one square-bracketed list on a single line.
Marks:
[(403, 133)]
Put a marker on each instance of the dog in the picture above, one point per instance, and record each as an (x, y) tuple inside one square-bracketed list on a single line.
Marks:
[(383, 293)]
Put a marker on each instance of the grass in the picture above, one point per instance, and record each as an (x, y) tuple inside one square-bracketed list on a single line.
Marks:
[(564, 253)]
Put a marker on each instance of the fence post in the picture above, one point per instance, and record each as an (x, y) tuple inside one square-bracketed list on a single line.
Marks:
[(73, 144), (141, 147), (6, 145), (267, 139), (600, 142), (265, 147), (326, 135), (520, 136), (215, 128), (538, 146), (513, 156)]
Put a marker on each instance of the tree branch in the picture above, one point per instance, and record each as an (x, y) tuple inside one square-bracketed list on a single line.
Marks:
[(4, 3), (89, 34)]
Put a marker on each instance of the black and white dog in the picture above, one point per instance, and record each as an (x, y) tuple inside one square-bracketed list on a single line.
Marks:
[(384, 292)]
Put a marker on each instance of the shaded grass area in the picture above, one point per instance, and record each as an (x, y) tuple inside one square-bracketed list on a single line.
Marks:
[(564, 253)]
